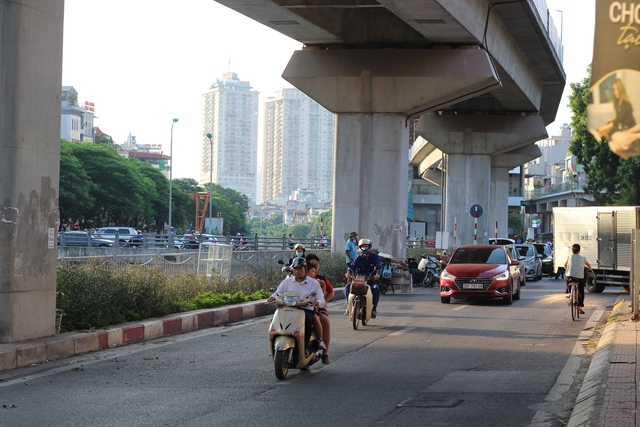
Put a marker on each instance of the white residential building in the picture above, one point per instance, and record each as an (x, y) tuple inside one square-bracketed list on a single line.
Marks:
[(298, 147), (76, 123), (230, 114)]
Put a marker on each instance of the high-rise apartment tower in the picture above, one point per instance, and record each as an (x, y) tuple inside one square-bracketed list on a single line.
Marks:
[(298, 147), (230, 114)]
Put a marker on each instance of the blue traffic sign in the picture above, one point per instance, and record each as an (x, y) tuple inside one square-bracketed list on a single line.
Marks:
[(476, 211)]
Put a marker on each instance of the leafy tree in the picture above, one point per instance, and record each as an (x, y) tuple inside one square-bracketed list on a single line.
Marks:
[(301, 231), (157, 197), (516, 222), (118, 187), (184, 203), (75, 198), (326, 224), (611, 180)]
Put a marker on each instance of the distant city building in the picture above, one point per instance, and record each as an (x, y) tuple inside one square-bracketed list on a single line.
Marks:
[(230, 114), (298, 148), (555, 165), (76, 123)]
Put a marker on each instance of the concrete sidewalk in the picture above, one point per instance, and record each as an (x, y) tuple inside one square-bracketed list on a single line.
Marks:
[(609, 393)]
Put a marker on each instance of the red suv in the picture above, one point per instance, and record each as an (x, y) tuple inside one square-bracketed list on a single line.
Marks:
[(481, 271)]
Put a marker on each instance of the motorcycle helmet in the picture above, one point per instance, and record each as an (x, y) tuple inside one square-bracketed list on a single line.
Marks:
[(299, 262), (364, 242), (299, 246)]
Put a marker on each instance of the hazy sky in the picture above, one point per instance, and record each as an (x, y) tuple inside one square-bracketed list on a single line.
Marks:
[(144, 62)]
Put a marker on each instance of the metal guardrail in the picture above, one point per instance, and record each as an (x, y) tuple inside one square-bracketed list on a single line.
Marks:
[(208, 259), (564, 187), (260, 243)]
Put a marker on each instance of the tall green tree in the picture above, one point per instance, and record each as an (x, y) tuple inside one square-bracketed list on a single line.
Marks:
[(157, 197), (516, 222), (611, 180), (118, 188), (75, 199)]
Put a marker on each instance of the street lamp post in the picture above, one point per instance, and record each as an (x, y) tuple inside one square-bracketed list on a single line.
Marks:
[(210, 177), (171, 182)]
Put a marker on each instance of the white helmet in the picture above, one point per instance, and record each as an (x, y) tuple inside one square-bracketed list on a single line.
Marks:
[(363, 242), (299, 246)]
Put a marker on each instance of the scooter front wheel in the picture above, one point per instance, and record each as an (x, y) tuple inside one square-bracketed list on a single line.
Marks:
[(355, 312), (280, 364), (363, 312)]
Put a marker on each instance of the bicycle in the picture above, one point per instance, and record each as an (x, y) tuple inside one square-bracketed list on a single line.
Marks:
[(573, 299)]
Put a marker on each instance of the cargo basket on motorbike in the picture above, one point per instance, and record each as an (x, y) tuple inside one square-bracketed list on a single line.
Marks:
[(358, 287)]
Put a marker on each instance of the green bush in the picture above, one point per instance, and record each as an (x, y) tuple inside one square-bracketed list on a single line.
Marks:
[(93, 295)]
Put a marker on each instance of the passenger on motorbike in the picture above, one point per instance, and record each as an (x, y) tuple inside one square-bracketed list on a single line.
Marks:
[(304, 285), (313, 263), (367, 264)]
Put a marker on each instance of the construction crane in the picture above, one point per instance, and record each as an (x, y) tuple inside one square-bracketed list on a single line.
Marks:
[(200, 217)]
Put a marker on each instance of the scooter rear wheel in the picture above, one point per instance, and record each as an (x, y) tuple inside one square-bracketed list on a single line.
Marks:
[(355, 312), (280, 364)]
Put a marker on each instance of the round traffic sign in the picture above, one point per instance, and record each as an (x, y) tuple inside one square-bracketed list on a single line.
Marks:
[(476, 211)]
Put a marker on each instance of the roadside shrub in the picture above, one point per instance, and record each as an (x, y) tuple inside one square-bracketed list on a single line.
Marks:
[(92, 295)]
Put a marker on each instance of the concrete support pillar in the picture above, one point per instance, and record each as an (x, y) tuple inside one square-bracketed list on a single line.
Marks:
[(499, 211), (371, 180), (373, 91), (30, 90), (475, 145), (469, 184)]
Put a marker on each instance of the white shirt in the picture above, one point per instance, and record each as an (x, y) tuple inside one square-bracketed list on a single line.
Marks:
[(423, 264), (306, 287), (575, 266)]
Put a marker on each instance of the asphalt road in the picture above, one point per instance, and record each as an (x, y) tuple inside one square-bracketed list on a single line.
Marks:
[(420, 363)]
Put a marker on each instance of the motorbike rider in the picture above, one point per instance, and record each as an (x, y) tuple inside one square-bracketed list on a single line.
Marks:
[(419, 273), (299, 253), (313, 263), (305, 285), (367, 264)]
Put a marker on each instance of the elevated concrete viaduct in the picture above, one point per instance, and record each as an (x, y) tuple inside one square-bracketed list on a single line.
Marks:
[(484, 76), (377, 64)]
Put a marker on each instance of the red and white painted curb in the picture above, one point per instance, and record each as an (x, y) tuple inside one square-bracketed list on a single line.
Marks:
[(31, 352)]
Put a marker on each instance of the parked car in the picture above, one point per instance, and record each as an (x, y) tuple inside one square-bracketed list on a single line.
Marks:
[(501, 241), (480, 271), (547, 257), (81, 238), (532, 260), (513, 252), (125, 234)]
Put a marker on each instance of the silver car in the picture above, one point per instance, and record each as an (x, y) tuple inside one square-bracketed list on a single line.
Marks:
[(82, 238), (532, 260), (515, 255)]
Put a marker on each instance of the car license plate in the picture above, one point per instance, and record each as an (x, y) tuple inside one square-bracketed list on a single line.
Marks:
[(472, 286)]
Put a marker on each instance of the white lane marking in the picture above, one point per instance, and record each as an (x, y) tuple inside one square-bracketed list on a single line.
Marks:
[(460, 307), (402, 331)]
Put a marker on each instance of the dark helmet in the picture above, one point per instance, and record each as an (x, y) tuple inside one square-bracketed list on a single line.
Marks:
[(299, 262)]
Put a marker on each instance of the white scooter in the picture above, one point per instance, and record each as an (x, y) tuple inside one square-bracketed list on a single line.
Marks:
[(360, 302), (287, 335)]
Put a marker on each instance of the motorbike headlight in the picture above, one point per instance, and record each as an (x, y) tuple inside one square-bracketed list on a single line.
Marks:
[(447, 276), (502, 276), (290, 301), (547, 261)]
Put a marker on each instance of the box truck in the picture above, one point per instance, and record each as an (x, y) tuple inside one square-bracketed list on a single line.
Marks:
[(604, 236)]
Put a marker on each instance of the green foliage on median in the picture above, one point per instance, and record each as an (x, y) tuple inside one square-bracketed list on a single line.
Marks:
[(94, 295)]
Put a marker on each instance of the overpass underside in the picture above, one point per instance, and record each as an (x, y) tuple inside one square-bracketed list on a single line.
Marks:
[(482, 76)]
